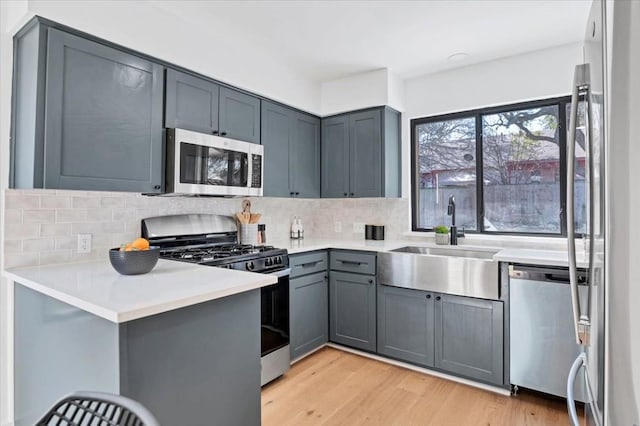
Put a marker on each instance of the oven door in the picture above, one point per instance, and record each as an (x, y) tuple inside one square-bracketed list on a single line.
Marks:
[(211, 165), (275, 356)]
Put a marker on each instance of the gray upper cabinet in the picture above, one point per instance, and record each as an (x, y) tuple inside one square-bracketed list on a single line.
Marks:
[(365, 173), (239, 115), (335, 156), (191, 103), (361, 154), (469, 337), (291, 142), (198, 104), (103, 119), (406, 324)]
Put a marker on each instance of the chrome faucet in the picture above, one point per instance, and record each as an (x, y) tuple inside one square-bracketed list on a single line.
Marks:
[(451, 211)]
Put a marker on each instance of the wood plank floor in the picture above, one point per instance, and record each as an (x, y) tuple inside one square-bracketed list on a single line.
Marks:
[(333, 387)]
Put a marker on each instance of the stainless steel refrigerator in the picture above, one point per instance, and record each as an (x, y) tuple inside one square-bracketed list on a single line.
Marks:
[(604, 122), (587, 129)]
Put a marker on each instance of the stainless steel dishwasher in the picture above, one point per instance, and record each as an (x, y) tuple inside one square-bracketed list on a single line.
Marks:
[(542, 344)]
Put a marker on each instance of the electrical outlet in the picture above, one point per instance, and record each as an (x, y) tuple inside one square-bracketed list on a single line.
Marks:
[(337, 226), (358, 228), (84, 243)]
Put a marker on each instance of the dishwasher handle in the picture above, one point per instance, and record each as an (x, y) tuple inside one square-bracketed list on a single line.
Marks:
[(545, 274)]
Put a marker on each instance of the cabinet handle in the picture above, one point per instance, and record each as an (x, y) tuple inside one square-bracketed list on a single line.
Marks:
[(438, 297), (349, 262), (215, 132), (326, 277), (351, 194), (345, 194), (370, 281), (291, 193), (157, 187), (428, 296), (304, 265), (297, 193), (223, 133)]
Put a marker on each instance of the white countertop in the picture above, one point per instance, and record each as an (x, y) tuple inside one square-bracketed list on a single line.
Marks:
[(97, 288), (512, 255)]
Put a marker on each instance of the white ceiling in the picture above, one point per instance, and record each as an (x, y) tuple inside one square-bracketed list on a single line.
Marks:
[(326, 40)]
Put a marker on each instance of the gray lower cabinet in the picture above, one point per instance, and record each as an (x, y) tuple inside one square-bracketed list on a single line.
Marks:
[(361, 154), (291, 143), (406, 324), (352, 310), (91, 119), (469, 337), (309, 321), (308, 302), (201, 105)]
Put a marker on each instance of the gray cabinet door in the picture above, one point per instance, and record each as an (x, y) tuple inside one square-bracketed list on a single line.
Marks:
[(103, 118), (239, 115), (191, 103), (352, 310), (365, 156), (305, 161), (335, 157), (276, 123), (469, 337), (309, 313), (405, 324)]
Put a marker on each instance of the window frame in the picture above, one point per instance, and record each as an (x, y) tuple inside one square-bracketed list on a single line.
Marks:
[(562, 102)]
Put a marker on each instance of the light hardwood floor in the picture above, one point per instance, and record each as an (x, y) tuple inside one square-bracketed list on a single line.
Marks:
[(333, 387)]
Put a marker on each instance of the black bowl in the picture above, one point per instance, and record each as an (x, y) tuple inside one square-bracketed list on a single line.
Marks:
[(134, 262)]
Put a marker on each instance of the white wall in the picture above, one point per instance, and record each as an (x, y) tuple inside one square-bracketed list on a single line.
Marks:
[(354, 92), (542, 74)]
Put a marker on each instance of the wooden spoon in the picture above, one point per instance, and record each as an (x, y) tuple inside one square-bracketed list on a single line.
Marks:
[(255, 217)]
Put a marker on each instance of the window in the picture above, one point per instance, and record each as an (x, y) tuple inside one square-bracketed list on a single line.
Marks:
[(505, 166)]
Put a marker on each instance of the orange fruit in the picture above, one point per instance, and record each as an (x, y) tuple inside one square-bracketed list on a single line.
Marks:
[(126, 247), (140, 244)]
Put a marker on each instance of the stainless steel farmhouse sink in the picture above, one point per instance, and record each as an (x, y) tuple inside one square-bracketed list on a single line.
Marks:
[(465, 272)]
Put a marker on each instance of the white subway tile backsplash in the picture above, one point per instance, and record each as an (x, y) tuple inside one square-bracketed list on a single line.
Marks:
[(14, 260), (112, 202), (85, 202), (38, 216), (20, 232), (37, 245), (66, 243), (12, 217), (55, 202), (71, 215), (113, 218), (13, 246), (58, 256), (98, 215), (55, 229), (18, 201)]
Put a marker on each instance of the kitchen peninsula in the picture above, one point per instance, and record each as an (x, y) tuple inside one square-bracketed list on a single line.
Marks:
[(184, 339)]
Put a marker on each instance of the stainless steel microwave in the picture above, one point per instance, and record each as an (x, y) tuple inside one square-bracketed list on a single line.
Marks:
[(202, 164)]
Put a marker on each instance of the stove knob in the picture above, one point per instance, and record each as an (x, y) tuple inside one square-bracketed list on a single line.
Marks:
[(268, 262), (279, 259), (250, 266)]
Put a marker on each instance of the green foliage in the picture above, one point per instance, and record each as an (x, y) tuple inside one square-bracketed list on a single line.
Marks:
[(441, 229)]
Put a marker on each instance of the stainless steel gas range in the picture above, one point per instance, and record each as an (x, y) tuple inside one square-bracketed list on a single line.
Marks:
[(211, 240)]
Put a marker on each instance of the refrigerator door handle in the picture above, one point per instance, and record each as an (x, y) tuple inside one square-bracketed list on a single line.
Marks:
[(581, 87)]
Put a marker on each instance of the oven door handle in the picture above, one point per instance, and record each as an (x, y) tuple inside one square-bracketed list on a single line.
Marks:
[(281, 273)]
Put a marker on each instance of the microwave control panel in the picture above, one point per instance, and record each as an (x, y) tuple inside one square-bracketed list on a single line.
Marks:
[(256, 171)]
